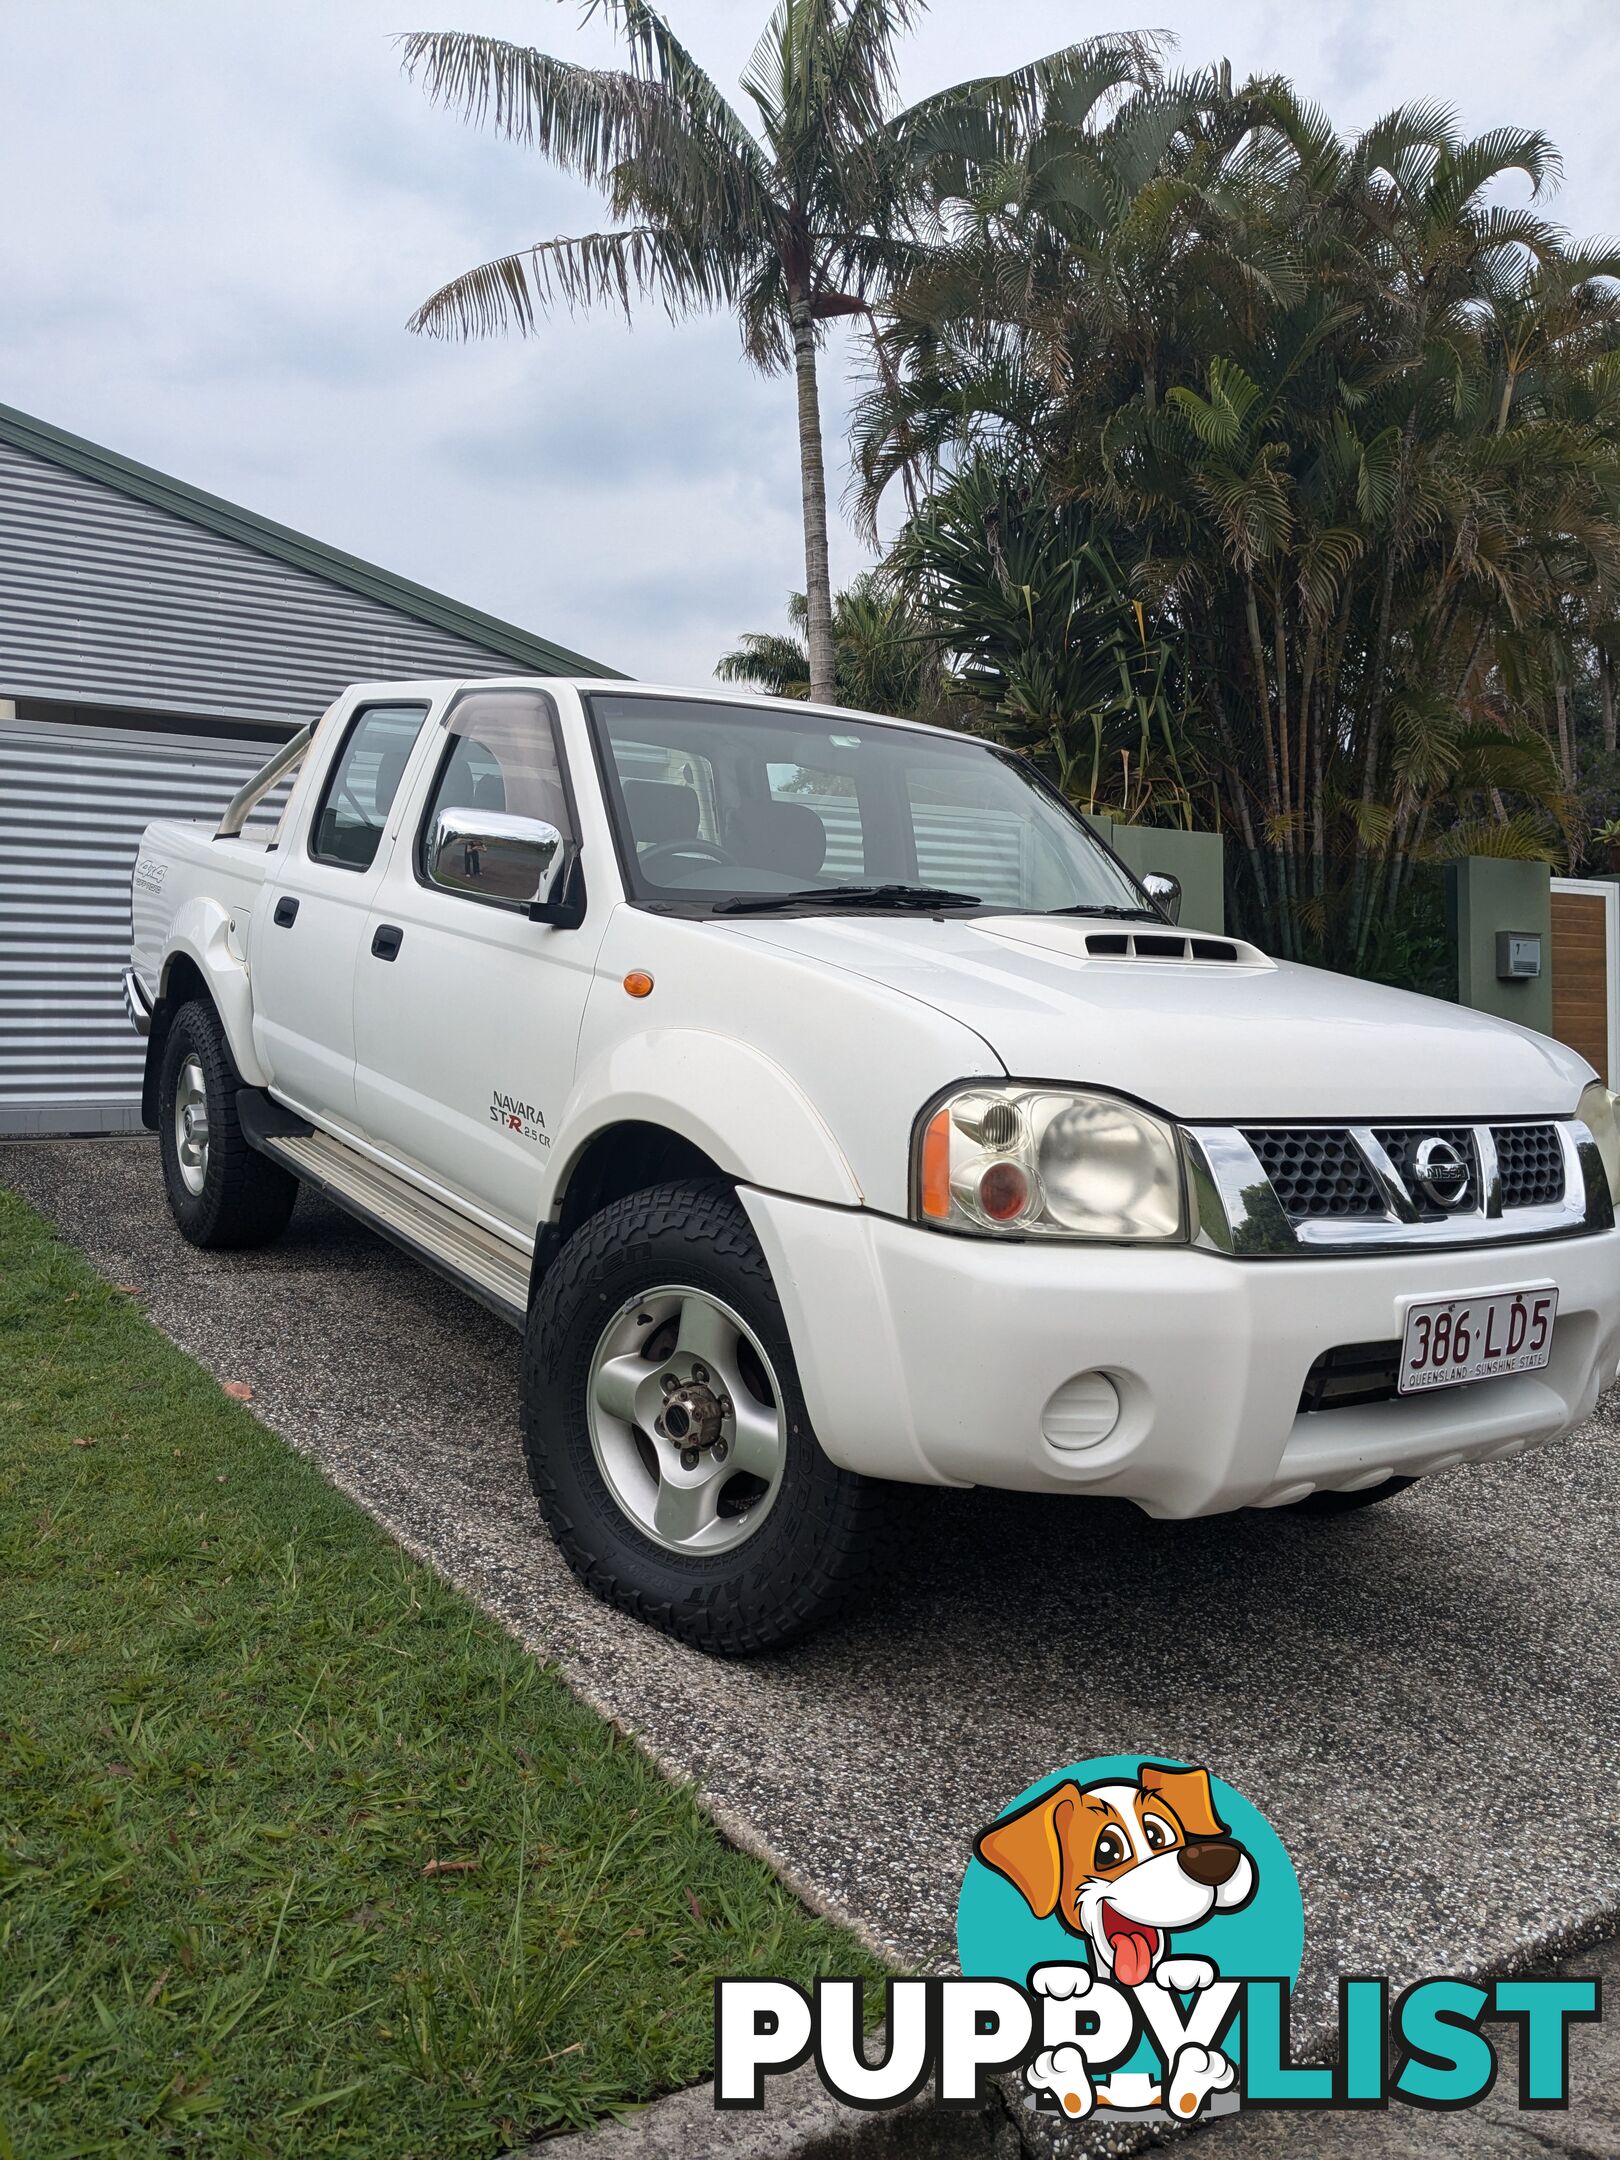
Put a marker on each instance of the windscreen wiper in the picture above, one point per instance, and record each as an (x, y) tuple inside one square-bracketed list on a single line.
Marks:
[(1118, 914), (848, 896)]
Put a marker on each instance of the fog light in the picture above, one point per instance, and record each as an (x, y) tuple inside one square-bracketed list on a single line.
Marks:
[(1083, 1411)]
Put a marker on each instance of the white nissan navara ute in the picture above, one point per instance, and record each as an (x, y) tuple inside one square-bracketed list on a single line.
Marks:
[(830, 1108)]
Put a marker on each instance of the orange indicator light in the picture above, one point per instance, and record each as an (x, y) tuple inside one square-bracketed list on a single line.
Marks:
[(639, 983), (936, 1167)]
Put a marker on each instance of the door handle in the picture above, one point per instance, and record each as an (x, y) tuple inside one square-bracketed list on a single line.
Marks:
[(386, 941), (286, 912)]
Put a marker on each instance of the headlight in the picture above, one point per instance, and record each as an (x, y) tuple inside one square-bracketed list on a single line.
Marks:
[(1596, 1111), (1040, 1162)]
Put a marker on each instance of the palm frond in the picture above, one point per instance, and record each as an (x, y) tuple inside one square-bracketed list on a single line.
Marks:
[(658, 56), (766, 660), (1523, 837), (591, 122), (511, 292), (1002, 112)]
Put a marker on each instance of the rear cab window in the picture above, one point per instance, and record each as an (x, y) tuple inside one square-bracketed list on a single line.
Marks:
[(362, 784)]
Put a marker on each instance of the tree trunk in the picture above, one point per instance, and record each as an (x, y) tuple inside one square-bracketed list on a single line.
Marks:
[(1376, 685), (1287, 928), (1606, 685), (813, 480), (1319, 816), (1234, 781)]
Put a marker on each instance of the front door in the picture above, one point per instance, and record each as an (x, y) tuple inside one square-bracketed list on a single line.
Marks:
[(320, 890), (466, 1013)]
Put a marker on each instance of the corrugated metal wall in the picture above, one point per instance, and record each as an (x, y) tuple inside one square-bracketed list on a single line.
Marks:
[(73, 805), (105, 600)]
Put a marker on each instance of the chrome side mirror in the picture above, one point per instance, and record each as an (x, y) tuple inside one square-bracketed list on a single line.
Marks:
[(1165, 893), (522, 861)]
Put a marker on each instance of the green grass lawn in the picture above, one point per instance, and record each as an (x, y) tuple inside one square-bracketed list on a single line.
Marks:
[(299, 1852)]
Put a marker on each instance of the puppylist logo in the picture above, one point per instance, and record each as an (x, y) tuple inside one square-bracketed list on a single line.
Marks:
[(1117, 1872), (1129, 1932)]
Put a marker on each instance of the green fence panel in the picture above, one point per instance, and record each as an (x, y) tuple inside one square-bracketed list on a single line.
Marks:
[(1196, 858), (1486, 895)]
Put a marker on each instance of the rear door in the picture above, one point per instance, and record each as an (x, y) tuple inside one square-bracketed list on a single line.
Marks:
[(467, 1014), (316, 903)]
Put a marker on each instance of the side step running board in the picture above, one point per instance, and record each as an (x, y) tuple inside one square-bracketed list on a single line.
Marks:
[(495, 1273)]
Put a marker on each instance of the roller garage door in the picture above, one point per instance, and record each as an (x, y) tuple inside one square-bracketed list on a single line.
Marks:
[(73, 803)]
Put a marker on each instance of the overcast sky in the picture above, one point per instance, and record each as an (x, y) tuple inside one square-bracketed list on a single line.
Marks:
[(217, 215)]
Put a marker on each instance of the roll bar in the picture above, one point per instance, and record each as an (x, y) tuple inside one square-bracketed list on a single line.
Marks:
[(247, 798)]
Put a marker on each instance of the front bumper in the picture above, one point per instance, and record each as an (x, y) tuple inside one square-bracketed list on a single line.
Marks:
[(934, 1359)]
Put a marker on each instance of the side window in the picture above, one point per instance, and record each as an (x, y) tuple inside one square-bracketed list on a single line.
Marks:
[(501, 772), (361, 786)]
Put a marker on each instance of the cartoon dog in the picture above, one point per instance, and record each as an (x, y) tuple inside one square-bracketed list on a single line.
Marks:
[(1123, 1865)]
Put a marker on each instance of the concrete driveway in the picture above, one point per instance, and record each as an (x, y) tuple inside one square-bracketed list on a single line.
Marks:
[(1423, 1698)]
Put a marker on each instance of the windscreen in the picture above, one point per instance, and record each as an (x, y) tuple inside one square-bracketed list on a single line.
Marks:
[(718, 803)]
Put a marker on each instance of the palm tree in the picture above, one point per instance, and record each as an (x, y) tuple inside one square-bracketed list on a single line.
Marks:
[(792, 225), (887, 660), (1351, 425), (1025, 598), (789, 226)]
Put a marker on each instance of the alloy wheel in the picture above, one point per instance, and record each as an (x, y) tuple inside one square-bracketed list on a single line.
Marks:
[(191, 1125), (686, 1420)]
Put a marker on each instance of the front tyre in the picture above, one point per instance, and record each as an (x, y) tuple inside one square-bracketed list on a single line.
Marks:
[(222, 1193), (666, 1433)]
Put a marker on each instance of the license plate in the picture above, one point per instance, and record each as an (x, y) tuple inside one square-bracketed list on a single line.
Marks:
[(1449, 1340)]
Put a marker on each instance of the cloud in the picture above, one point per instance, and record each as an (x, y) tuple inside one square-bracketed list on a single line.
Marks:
[(646, 420), (1357, 54), (219, 217)]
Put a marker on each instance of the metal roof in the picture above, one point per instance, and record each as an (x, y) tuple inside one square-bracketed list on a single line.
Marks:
[(73, 452)]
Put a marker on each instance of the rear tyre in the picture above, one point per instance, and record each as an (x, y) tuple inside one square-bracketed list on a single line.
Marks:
[(222, 1193), (1346, 1503), (667, 1437)]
